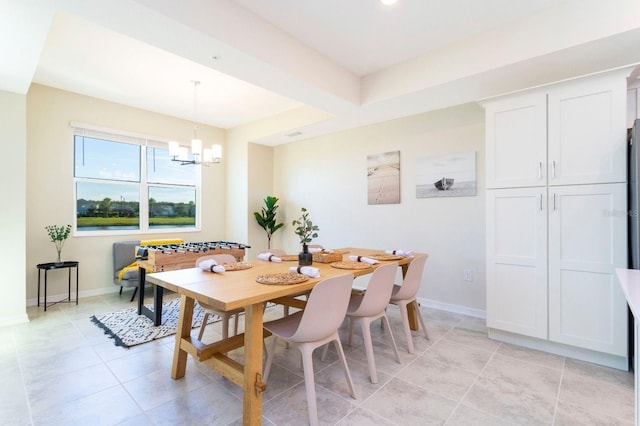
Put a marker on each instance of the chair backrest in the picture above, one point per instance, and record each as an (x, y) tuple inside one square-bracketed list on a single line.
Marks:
[(325, 309), (411, 283), (220, 258), (124, 253), (275, 252), (378, 293)]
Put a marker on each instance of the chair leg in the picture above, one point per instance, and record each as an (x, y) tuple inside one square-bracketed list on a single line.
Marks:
[(405, 324), (133, 296), (350, 330), (368, 346), (309, 383), (204, 324), (393, 340), (424, 329), (343, 359), (324, 352), (267, 366), (120, 291)]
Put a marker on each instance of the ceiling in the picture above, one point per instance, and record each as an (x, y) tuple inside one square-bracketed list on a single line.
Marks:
[(306, 68)]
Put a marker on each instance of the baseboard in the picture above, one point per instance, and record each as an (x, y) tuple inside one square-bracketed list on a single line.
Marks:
[(458, 309), (51, 298), (613, 361), (14, 320)]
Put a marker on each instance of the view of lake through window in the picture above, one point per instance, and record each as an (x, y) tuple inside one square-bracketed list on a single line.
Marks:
[(111, 180)]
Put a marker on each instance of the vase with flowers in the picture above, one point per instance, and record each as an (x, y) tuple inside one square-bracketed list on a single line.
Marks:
[(58, 235), (306, 231)]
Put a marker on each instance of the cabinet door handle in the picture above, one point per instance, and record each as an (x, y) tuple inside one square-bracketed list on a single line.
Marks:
[(541, 202), (554, 201), (553, 169), (540, 170)]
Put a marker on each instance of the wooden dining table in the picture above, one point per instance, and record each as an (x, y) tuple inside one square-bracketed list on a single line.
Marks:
[(239, 289)]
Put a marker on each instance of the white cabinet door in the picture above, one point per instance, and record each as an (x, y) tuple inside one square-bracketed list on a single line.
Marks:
[(516, 144), (587, 241), (587, 131), (517, 261)]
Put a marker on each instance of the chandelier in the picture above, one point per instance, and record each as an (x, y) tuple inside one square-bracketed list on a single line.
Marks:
[(181, 153)]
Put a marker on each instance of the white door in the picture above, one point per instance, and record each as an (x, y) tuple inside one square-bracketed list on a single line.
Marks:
[(516, 144), (587, 241), (587, 131), (517, 260)]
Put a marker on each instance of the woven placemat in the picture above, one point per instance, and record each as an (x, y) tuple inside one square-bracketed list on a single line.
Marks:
[(289, 257), (237, 266), (283, 278), (350, 264), (383, 256)]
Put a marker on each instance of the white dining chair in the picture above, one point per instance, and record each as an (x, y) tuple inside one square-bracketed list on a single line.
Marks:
[(405, 295), (315, 326), (210, 310), (364, 308)]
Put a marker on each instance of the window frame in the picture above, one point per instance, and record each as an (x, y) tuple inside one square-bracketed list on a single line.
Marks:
[(143, 141)]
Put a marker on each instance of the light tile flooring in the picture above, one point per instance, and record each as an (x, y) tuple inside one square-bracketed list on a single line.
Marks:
[(59, 369)]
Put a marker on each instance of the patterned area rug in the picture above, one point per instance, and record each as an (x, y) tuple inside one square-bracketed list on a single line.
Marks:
[(127, 328)]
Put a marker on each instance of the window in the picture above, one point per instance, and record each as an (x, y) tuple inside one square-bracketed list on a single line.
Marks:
[(129, 184)]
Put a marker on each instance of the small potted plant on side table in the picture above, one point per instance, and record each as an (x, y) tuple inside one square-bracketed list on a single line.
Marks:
[(306, 230), (58, 235)]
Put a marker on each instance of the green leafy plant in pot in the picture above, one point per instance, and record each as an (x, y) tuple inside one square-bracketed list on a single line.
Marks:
[(307, 231), (58, 235), (266, 218)]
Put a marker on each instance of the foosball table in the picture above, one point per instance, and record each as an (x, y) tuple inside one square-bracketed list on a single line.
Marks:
[(173, 256)]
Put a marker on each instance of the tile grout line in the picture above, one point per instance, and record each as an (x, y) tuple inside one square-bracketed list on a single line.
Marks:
[(473, 384), (555, 408)]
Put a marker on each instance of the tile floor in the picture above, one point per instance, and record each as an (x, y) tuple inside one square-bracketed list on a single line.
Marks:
[(59, 369)]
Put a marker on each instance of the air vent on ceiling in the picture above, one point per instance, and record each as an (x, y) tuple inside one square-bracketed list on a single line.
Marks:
[(292, 134)]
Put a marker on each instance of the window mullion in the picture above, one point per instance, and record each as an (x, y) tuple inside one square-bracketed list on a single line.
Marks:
[(144, 192)]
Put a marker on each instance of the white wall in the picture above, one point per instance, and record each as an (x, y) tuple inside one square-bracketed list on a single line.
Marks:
[(50, 192), (13, 182), (328, 176)]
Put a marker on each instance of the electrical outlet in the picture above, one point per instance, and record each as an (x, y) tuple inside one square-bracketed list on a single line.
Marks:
[(468, 275)]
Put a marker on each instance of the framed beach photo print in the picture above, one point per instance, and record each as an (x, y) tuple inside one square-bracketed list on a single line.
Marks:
[(452, 175), (383, 178)]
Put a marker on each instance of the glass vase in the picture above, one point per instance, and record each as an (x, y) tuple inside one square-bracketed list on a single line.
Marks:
[(305, 258)]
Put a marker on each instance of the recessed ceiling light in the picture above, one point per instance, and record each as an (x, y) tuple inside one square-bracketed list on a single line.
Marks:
[(388, 2)]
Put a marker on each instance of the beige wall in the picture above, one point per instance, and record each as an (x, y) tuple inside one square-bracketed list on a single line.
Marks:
[(50, 192), (261, 177), (328, 176), (13, 182)]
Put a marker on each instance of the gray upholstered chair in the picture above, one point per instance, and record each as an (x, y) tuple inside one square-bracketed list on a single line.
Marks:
[(123, 256)]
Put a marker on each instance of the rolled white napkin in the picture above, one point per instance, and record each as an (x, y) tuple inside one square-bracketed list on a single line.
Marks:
[(269, 257), (363, 259), (309, 271), (314, 249), (403, 253), (212, 266)]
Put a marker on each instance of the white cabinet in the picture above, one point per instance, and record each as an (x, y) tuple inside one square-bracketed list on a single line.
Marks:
[(556, 216), (587, 122), (516, 134), (566, 134), (517, 260), (587, 241)]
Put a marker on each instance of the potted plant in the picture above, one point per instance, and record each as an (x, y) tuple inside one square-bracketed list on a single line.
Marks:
[(306, 230), (267, 218), (58, 235)]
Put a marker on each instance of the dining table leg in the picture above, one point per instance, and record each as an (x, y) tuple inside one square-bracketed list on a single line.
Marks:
[(179, 366), (253, 385)]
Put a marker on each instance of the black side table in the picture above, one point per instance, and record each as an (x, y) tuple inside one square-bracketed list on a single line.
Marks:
[(52, 265)]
